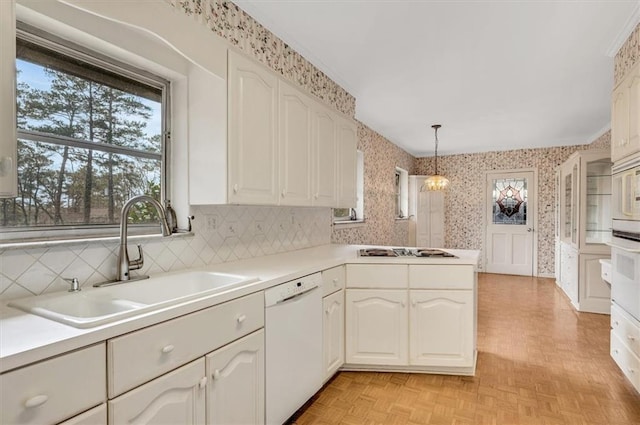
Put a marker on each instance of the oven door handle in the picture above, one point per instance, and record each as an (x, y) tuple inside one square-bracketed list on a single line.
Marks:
[(624, 248)]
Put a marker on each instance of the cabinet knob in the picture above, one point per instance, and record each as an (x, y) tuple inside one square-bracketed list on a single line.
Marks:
[(402, 303), (327, 312), (316, 196), (631, 370), (414, 303), (631, 337), (616, 323), (241, 318), (216, 374), (203, 383), (36, 401), (284, 192), (235, 188), (167, 349)]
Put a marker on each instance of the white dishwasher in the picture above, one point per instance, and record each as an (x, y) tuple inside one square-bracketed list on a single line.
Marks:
[(293, 338)]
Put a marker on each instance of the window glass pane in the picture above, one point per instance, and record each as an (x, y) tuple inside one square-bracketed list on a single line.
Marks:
[(89, 139), (510, 201)]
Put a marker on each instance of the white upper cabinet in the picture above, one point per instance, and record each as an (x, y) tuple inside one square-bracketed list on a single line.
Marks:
[(253, 141), (347, 163), (295, 146), (8, 142), (325, 157), (284, 148), (625, 116)]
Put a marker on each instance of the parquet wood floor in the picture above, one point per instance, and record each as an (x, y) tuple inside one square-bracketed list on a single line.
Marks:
[(540, 363)]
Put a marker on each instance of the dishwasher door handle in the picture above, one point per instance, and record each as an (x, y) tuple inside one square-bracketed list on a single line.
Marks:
[(296, 297)]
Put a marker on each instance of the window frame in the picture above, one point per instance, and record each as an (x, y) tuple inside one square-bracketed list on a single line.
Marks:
[(401, 186), (95, 57)]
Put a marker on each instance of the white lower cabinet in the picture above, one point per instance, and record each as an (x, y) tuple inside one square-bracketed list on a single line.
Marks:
[(376, 326), (236, 382), (333, 333), (441, 324), (581, 280), (625, 343), (175, 398)]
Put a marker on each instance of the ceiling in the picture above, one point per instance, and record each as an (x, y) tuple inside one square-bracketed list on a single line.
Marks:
[(496, 74)]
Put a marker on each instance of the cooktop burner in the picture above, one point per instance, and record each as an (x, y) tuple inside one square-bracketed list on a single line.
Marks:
[(404, 252)]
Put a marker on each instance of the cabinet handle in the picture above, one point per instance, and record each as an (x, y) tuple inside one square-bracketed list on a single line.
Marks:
[(235, 188), (414, 303), (167, 349), (216, 374), (631, 337), (402, 303), (631, 370), (316, 196), (36, 401), (616, 323), (284, 192), (203, 383), (615, 351), (241, 318)]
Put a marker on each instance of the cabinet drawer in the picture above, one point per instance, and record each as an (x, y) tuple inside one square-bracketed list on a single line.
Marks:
[(438, 276), (628, 362), (53, 390), (332, 280), (391, 276), (625, 328), (140, 356)]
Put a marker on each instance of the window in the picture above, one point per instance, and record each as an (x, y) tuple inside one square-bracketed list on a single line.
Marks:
[(346, 215), (91, 134), (401, 184)]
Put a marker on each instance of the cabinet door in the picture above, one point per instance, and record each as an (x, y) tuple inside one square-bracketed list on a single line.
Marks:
[(619, 121), (595, 294), (235, 392), (376, 327), (253, 149), (295, 147), (8, 142), (325, 163), (333, 333), (175, 398), (347, 164), (441, 324), (634, 113)]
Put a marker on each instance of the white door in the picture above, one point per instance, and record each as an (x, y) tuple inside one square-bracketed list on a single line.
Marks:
[(333, 333), (377, 327), (510, 222), (441, 323), (235, 394), (175, 398)]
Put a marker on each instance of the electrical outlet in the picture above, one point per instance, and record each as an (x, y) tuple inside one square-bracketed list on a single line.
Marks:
[(211, 221)]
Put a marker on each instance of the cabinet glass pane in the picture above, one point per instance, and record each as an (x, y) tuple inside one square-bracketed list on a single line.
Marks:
[(568, 206), (574, 205), (510, 201), (598, 193)]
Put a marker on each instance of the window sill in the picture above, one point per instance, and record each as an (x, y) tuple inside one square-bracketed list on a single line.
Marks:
[(339, 225), (17, 244), (402, 218)]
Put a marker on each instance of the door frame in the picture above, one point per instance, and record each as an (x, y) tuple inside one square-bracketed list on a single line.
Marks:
[(485, 220)]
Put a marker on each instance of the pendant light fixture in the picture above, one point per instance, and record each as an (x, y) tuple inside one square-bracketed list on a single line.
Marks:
[(436, 181)]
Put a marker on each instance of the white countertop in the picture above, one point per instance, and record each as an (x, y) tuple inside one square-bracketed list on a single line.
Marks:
[(26, 338)]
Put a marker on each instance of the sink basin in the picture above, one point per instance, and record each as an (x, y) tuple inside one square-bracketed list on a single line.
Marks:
[(97, 306)]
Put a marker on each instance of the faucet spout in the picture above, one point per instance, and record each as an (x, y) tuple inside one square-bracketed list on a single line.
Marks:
[(124, 263)]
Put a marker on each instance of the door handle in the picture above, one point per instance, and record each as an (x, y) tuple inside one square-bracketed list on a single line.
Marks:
[(530, 229)]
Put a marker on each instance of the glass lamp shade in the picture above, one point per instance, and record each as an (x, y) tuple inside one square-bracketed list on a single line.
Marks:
[(435, 182)]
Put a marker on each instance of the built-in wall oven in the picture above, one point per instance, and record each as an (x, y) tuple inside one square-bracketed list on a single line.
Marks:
[(625, 241)]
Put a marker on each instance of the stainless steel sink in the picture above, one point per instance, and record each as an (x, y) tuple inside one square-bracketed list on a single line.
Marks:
[(97, 306)]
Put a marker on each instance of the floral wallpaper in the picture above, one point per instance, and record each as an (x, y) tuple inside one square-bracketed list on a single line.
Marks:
[(627, 56), (231, 23), (381, 157), (465, 203)]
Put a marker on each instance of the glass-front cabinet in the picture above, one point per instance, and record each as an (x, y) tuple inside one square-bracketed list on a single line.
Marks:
[(585, 227)]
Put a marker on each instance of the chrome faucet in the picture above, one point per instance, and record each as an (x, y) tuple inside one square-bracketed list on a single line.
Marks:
[(124, 264)]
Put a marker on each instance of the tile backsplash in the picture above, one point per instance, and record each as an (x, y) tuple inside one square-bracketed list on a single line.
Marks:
[(220, 234)]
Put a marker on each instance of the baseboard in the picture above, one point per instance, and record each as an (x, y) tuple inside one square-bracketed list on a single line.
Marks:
[(549, 275)]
